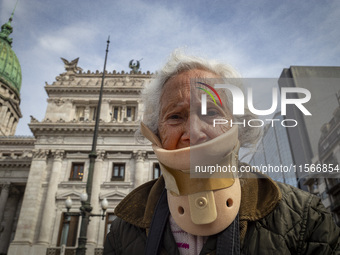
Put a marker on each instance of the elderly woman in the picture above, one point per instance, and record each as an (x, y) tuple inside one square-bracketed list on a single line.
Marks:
[(219, 213)]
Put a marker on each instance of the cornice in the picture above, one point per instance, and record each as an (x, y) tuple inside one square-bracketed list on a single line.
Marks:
[(114, 75), (17, 140), (82, 128), (115, 184), (92, 90), (89, 82), (14, 163)]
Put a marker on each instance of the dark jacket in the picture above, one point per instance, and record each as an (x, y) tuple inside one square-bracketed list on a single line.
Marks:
[(274, 218)]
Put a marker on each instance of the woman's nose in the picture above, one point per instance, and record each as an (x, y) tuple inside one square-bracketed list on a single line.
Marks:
[(194, 130)]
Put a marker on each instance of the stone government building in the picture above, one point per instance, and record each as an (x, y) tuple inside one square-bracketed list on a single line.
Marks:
[(60, 158), (38, 173)]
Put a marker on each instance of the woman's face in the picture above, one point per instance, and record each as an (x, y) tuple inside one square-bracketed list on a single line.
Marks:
[(181, 123)]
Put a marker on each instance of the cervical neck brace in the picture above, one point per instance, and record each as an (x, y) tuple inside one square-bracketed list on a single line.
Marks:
[(198, 205), (176, 164)]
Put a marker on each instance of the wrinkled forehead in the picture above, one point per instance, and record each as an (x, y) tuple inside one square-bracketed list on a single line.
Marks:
[(188, 81), (187, 75)]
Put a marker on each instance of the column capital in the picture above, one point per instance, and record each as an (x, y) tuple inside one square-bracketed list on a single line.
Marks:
[(14, 191), (139, 155), (69, 100), (5, 185), (40, 154), (100, 154), (58, 154)]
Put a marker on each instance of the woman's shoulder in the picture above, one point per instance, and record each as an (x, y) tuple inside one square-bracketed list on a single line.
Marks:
[(302, 222), (137, 207)]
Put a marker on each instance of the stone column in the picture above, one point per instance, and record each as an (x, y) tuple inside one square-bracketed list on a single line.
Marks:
[(3, 198), (8, 115), (3, 112), (9, 124), (50, 206), (87, 113), (12, 206), (14, 127), (28, 218), (104, 111), (141, 174), (4, 120), (92, 234), (123, 114)]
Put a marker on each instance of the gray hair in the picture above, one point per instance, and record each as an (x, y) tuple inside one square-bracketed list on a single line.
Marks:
[(179, 62)]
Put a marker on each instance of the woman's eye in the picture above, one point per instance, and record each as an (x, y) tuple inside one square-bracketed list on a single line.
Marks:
[(174, 117), (212, 112)]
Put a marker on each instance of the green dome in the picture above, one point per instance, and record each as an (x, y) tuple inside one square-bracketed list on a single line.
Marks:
[(10, 70)]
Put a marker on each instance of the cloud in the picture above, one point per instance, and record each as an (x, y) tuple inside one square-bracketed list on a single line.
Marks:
[(259, 38)]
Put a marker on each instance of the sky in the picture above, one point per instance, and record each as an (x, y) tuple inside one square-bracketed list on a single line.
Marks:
[(259, 38)]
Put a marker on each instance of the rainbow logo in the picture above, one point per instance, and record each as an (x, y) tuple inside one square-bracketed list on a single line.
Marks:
[(212, 89), (204, 97)]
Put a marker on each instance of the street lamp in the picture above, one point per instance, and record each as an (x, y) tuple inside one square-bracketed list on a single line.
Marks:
[(85, 198), (104, 204), (84, 213), (68, 203)]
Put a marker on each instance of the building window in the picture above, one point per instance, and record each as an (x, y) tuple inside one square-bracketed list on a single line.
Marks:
[(156, 170), (110, 217), (130, 113), (118, 172), (77, 172), (80, 112), (93, 112), (122, 113), (84, 113), (117, 113), (68, 230)]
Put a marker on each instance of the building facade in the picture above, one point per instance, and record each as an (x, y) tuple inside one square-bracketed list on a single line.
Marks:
[(329, 154), (60, 159), (15, 152), (314, 141), (323, 84), (37, 174), (10, 83), (15, 163), (273, 151)]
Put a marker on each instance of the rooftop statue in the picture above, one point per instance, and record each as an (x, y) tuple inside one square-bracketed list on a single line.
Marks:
[(134, 66)]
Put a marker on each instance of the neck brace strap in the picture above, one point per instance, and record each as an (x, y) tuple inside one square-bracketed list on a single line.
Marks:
[(220, 153)]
